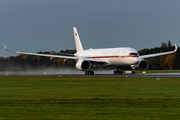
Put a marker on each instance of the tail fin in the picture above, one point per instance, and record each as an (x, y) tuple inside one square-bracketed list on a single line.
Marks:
[(77, 40)]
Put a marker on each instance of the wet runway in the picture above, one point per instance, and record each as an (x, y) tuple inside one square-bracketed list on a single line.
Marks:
[(147, 75)]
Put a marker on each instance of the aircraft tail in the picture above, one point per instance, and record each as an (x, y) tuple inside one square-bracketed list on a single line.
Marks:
[(77, 40)]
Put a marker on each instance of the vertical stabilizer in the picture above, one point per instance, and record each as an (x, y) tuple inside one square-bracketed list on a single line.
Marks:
[(77, 40)]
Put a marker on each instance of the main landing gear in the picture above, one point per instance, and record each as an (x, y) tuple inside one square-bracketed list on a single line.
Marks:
[(89, 72), (120, 72), (133, 72)]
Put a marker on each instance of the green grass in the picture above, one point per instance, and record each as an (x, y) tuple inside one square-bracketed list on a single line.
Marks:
[(87, 98)]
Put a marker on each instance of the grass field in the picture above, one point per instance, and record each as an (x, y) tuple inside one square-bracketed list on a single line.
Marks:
[(68, 98)]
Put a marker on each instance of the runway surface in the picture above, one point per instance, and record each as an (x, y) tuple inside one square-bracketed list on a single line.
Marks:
[(147, 75)]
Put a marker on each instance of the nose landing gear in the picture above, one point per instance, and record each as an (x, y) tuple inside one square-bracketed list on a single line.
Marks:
[(133, 70)]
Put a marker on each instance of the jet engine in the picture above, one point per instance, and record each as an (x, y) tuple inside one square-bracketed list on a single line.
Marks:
[(83, 65), (142, 65)]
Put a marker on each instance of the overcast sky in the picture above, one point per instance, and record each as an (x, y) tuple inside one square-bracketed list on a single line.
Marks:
[(47, 25)]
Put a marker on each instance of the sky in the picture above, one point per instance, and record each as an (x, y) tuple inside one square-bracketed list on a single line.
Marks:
[(47, 25)]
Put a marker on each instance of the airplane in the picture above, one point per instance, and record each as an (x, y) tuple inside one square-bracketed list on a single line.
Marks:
[(87, 59)]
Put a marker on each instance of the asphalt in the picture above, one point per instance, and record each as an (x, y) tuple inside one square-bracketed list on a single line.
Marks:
[(147, 75)]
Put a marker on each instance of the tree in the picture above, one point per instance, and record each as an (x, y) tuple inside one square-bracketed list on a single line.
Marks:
[(169, 44), (169, 60), (163, 45)]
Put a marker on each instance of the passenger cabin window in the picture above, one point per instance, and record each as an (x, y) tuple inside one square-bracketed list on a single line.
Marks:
[(133, 54)]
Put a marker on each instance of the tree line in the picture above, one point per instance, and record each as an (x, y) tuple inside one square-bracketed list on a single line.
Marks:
[(25, 62)]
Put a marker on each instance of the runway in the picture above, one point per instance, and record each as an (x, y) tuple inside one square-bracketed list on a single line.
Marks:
[(147, 75)]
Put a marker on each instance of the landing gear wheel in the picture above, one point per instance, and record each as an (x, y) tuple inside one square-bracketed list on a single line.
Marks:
[(133, 72), (118, 72), (115, 72), (86, 72), (89, 72)]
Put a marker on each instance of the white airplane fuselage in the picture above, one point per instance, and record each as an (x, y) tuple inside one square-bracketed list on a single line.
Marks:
[(112, 56)]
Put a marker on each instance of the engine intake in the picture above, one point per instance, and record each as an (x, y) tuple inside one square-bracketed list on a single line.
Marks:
[(83, 65), (142, 65)]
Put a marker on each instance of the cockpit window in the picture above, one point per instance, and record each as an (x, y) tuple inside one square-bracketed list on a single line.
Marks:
[(133, 54)]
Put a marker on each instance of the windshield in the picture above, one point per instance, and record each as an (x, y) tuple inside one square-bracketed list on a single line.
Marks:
[(133, 54)]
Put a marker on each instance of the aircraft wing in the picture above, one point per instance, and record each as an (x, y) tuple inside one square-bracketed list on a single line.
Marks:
[(158, 54), (58, 56), (66, 54)]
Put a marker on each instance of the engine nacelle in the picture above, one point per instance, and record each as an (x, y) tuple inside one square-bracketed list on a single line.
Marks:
[(142, 65), (83, 65)]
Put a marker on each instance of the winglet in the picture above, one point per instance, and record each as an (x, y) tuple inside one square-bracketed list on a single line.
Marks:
[(5, 46), (8, 49), (175, 47)]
